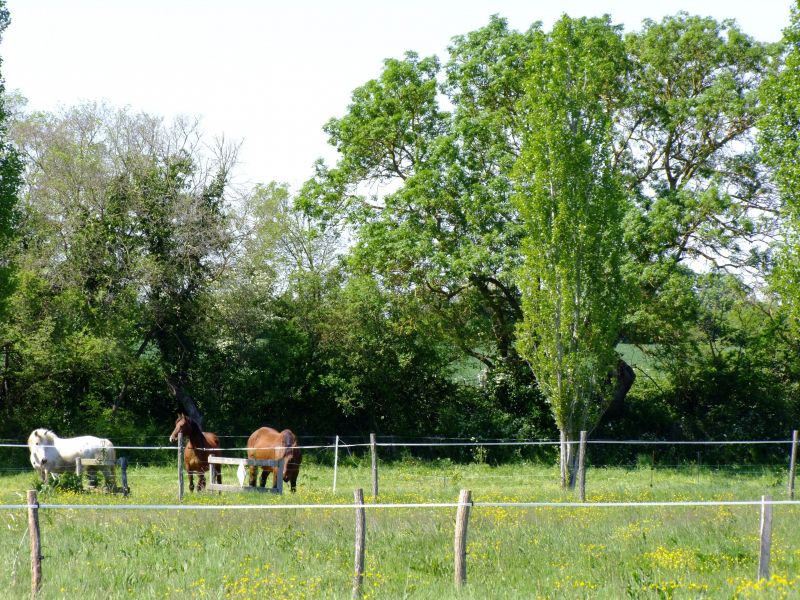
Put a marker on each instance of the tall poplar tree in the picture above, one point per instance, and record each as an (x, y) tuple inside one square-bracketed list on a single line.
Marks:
[(571, 204)]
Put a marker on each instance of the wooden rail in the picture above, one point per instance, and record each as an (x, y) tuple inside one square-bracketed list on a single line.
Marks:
[(248, 462), (122, 462)]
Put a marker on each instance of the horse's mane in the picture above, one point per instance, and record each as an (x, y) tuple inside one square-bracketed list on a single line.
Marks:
[(44, 433), (189, 420)]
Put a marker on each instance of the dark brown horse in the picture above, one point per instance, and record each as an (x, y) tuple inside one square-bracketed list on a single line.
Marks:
[(268, 444), (195, 456)]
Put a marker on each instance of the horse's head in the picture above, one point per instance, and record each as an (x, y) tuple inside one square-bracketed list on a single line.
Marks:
[(183, 424), (293, 456), (40, 443)]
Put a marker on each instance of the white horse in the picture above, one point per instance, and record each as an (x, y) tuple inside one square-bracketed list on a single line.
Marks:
[(52, 454)]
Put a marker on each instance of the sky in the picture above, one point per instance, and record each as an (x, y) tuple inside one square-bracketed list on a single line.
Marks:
[(269, 74)]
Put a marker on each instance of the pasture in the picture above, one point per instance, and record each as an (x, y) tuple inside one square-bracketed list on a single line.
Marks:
[(543, 552)]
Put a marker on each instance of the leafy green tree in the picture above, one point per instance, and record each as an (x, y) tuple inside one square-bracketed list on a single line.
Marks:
[(121, 232), (270, 306), (572, 203), (428, 192), (780, 145), (686, 143), (308, 345), (182, 224), (10, 180)]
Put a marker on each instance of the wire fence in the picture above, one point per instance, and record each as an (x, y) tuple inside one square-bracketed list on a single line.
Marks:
[(470, 443), (708, 454), (675, 453), (474, 446), (406, 505)]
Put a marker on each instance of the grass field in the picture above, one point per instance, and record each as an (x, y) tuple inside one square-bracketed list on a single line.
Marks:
[(640, 552)]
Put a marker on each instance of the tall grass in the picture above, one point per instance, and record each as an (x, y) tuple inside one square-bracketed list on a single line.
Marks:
[(642, 552)]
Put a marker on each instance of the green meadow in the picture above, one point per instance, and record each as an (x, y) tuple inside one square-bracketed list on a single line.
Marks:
[(513, 552)]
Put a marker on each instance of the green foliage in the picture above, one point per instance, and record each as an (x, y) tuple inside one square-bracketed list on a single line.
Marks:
[(728, 377), (780, 147), (10, 181), (329, 356), (117, 246), (571, 203), (780, 122), (59, 484), (686, 144)]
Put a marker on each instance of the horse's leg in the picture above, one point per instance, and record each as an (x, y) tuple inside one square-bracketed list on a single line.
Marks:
[(274, 471), (191, 481), (110, 474), (264, 473), (201, 481), (92, 475), (218, 476), (253, 475)]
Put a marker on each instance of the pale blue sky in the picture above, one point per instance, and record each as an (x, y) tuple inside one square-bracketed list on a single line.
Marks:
[(271, 73)]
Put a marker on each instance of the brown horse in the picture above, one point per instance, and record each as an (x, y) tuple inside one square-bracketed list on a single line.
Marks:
[(268, 444), (195, 456)]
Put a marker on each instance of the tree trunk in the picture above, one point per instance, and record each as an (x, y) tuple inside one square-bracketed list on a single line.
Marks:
[(186, 402), (563, 458), (624, 376), (569, 459), (6, 369), (124, 390), (625, 379)]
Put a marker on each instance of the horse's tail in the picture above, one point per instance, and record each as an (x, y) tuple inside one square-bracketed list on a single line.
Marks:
[(289, 442)]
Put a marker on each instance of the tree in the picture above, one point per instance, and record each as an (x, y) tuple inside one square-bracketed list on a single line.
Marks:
[(10, 179), (685, 141), (270, 307), (427, 192), (780, 147), (571, 203), (122, 227)]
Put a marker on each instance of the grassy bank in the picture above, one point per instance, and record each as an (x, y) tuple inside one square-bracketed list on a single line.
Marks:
[(638, 552)]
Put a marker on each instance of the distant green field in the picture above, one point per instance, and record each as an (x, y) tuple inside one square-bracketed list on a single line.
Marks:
[(513, 552), (468, 369), (639, 358)]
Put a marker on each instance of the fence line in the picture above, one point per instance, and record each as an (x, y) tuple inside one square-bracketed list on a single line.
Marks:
[(464, 505), (581, 505), (473, 444)]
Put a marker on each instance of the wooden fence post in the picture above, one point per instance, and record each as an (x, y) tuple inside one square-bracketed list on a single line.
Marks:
[(460, 544), (766, 537), (582, 467), (180, 467), (361, 521), (562, 460), (335, 462), (212, 475), (36, 543), (279, 475), (792, 464), (78, 466), (123, 467), (374, 452)]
